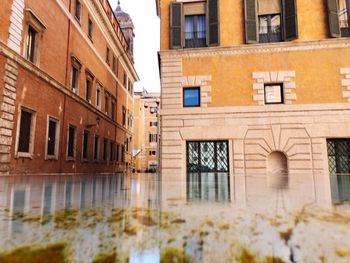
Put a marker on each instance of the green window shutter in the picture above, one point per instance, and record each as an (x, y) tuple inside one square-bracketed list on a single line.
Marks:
[(333, 18), (212, 23), (290, 22), (251, 35), (176, 18)]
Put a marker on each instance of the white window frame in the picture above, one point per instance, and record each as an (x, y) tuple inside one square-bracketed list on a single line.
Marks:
[(29, 154), (57, 141)]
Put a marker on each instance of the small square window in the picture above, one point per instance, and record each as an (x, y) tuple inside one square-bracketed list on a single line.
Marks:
[(191, 97), (273, 94)]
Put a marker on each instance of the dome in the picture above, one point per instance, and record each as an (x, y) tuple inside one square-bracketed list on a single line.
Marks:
[(120, 13)]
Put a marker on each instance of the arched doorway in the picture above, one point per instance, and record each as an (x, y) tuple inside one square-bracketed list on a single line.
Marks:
[(277, 170)]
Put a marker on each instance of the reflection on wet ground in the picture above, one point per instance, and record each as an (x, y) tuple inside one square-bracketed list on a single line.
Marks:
[(209, 218)]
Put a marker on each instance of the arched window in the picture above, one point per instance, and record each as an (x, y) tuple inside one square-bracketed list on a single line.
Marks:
[(277, 163)]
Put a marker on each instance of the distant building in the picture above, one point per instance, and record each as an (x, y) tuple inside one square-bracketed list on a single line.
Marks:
[(67, 88), (145, 131), (255, 86)]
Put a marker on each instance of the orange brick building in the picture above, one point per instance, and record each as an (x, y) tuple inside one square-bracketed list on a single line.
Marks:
[(67, 79)]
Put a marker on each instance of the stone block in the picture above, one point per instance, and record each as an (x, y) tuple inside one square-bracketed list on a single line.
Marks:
[(346, 94), (291, 96), (172, 149), (258, 97), (274, 76), (289, 85), (9, 100), (5, 149), (345, 82), (9, 68), (14, 45), (9, 94), (171, 136), (7, 116), (8, 108), (206, 100), (5, 158), (6, 132), (344, 70), (172, 123), (10, 81), (258, 86), (11, 88)]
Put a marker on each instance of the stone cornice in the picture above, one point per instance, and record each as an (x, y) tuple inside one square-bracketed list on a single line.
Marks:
[(272, 110), (9, 53), (279, 47)]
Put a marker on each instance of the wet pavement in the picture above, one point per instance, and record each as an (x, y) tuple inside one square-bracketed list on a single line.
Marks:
[(210, 218)]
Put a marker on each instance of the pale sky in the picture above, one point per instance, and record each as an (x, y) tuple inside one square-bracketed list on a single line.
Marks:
[(146, 45)]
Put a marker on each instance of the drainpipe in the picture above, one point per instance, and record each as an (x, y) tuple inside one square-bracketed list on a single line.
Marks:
[(61, 155)]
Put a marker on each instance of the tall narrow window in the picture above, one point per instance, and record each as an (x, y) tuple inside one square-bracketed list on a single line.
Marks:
[(270, 28), (88, 89), (344, 13), (25, 143), (96, 147), (107, 103), (85, 145), (98, 98), (125, 81), (113, 64), (31, 44), (113, 109), (90, 28), (71, 141), (105, 145), (124, 116), (117, 155), (107, 55), (123, 154), (76, 66), (52, 138), (77, 10), (111, 151)]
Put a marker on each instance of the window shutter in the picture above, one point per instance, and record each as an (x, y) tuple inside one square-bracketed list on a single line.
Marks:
[(289, 20), (212, 23), (176, 16), (333, 18), (251, 35)]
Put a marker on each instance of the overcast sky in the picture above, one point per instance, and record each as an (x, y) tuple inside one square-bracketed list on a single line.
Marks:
[(146, 46)]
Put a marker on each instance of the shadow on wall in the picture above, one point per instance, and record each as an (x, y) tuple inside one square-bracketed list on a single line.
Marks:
[(277, 170)]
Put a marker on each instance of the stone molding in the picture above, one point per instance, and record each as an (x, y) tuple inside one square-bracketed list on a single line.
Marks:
[(245, 49), (7, 115), (345, 82), (16, 25), (285, 77)]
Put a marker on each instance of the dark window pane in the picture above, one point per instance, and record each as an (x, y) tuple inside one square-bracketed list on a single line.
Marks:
[(88, 90), (85, 144), (111, 151), (51, 140), (96, 148), (77, 9), (105, 143), (71, 141), (117, 153), (75, 77), (24, 132), (195, 31), (31, 43), (191, 97)]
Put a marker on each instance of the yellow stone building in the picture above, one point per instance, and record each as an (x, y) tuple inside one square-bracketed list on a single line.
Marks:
[(254, 86), (145, 131)]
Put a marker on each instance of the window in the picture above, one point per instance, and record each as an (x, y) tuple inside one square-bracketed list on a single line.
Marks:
[(98, 96), (88, 88), (273, 94), (125, 81), (113, 64), (25, 136), (85, 145), (265, 20), (111, 151), (152, 153), (71, 141), (124, 116), (153, 137), (123, 154), (190, 22), (191, 97), (31, 44), (113, 109), (90, 28), (339, 168), (270, 28), (117, 153), (52, 138), (76, 66), (195, 31), (127, 145), (153, 124), (105, 145), (96, 147), (107, 55), (106, 103), (77, 10), (339, 13)]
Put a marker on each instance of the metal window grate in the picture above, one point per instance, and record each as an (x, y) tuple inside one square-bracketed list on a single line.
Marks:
[(207, 156), (339, 156)]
